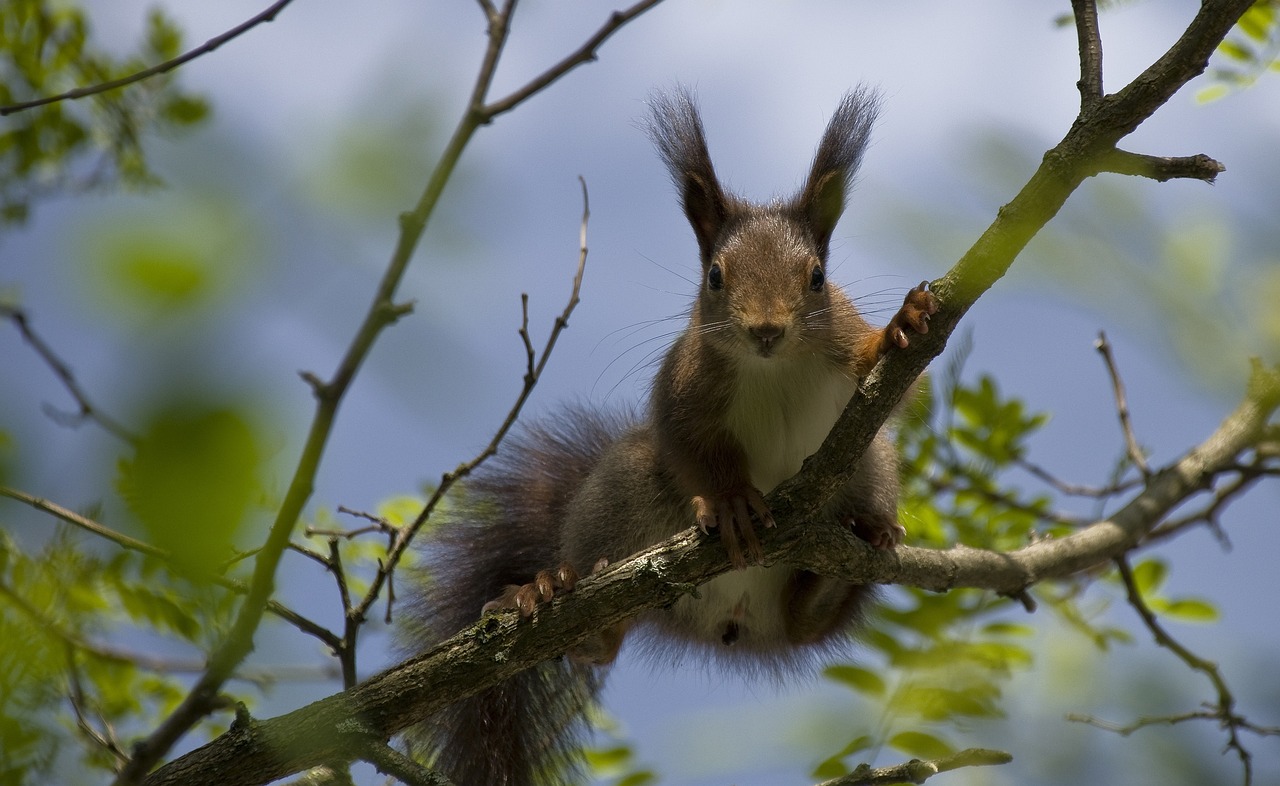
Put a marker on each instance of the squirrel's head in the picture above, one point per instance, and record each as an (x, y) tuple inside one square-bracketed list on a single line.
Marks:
[(764, 267)]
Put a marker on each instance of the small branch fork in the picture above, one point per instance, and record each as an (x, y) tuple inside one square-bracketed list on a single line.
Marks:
[(86, 411), (1136, 455), (1223, 711), (208, 46)]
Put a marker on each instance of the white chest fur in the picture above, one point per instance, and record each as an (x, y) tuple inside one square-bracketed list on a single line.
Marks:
[(781, 412)]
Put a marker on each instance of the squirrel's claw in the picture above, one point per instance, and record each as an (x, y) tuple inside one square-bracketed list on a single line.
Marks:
[(919, 305), (731, 512)]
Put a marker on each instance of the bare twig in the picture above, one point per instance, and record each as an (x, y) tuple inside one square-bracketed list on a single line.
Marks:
[(584, 54), (1074, 489), (1161, 168), (1090, 45), (1224, 710), (106, 738), (208, 46), (1122, 406), (918, 771), (87, 411), (535, 363)]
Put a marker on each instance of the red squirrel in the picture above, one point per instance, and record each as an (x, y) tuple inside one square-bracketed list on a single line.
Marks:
[(771, 356)]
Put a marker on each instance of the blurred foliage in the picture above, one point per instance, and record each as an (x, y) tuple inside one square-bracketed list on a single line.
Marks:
[(942, 661), (47, 48), (60, 609), (615, 762), (1252, 49), (1199, 284), (193, 477), (175, 261)]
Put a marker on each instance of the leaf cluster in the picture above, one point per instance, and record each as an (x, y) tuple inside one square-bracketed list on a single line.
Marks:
[(46, 48)]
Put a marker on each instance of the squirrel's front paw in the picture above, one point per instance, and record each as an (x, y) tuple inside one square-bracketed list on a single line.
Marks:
[(913, 317), (882, 532), (731, 512)]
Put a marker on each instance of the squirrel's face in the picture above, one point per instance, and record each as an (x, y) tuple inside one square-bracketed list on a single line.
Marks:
[(764, 290)]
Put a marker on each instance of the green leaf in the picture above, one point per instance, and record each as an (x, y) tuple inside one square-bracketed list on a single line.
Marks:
[(861, 680), (191, 481), (1185, 609), (1149, 575), (920, 745), (639, 778)]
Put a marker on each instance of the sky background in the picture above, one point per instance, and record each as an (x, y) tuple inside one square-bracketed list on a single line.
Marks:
[(326, 123)]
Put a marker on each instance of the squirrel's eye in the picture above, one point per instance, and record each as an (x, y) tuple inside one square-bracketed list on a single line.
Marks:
[(817, 280), (715, 278)]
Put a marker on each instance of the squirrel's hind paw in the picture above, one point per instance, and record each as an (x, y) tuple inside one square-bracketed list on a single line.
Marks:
[(546, 585)]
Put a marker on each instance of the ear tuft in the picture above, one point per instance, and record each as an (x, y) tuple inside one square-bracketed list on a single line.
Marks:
[(676, 130), (821, 201)]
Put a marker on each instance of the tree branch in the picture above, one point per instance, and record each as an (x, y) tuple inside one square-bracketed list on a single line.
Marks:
[(383, 311), (499, 646), (63, 372), (155, 70), (494, 649), (917, 771), (1090, 45)]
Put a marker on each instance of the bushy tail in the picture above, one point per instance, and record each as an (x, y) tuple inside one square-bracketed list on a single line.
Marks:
[(501, 530)]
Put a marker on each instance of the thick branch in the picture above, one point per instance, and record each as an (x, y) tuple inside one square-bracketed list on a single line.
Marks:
[(500, 646)]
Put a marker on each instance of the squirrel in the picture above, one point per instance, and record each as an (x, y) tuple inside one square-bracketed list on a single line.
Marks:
[(772, 354)]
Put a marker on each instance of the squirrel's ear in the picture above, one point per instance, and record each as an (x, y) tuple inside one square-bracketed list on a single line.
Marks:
[(676, 130), (821, 201)]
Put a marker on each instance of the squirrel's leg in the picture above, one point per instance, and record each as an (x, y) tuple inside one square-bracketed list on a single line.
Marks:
[(818, 606), (913, 317)]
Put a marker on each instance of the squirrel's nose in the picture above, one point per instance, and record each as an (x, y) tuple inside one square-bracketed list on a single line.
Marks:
[(767, 334)]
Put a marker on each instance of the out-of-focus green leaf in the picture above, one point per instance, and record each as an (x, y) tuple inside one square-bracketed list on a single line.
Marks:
[(859, 679), (191, 481), (920, 745), (47, 48), (1185, 609), (1149, 575)]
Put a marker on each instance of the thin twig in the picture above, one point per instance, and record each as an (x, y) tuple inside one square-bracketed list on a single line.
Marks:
[(105, 739), (1225, 708), (584, 54), (533, 373), (1074, 489), (60, 369), (1161, 168), (1122, 406), (155, 70), (1090, 45), (84, 522)]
